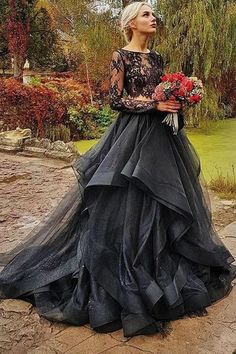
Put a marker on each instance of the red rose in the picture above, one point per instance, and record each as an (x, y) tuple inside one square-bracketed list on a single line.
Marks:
[(164, 78), (194, 98), (180, 92), (188, 84), (179, 76)]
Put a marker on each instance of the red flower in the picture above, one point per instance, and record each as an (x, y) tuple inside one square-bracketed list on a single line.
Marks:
[(194, 98), (178, 86), (173, 77), (164, 78), (188, 84), (180, 92)]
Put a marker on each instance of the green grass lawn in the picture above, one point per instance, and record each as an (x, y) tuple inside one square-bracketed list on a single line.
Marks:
[(216, 147), (84, 145)]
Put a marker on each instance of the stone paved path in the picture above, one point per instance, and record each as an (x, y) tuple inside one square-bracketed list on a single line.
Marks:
[(29, 189)]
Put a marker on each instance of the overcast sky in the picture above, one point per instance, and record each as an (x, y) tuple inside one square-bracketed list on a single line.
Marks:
[(102, 6)]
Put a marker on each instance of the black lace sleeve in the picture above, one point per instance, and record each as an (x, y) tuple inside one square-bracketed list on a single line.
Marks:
[(116, 87)]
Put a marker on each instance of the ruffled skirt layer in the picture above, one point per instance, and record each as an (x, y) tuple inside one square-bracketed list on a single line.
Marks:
[(132, 244)]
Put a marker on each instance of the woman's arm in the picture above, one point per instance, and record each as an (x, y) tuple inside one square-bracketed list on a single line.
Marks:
[(116, 86)]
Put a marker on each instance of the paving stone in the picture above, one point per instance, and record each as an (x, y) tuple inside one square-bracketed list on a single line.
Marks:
[(11, 305), (57, 346), (230, 243), (119, 335), (42, 350), (23, 178), (74, 335), (228, 202), (210, 333), (229, 230), (95, 344), (123, 349)]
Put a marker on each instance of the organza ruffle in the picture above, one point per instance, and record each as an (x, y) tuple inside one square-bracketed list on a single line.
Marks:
[(132, 244)]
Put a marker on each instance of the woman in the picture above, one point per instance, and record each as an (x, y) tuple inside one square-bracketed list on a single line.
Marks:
[(132, 245)]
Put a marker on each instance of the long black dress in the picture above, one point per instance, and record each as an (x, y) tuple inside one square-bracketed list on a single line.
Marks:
[(132, 244)]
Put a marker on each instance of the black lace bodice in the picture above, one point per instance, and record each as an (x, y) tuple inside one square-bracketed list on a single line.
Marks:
[(138, 73)]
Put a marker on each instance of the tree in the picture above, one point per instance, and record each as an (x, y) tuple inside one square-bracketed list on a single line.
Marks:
[(199, 39), (27, 30), (18, 26), (4, 52), (44, 50), (93, 35)]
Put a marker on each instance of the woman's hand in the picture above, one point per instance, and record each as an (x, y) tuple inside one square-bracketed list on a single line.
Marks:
[(171, 105)]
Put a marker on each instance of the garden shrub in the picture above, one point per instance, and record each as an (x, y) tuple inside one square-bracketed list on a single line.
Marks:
[(34, 107), (85, 127), (58, 132), (91, 120), (56, 108)]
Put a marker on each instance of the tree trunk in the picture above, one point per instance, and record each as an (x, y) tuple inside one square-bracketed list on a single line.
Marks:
[(88, 81), (18, 27), (18, 67)]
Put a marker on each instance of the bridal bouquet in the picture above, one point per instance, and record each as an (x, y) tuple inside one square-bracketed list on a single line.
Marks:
[(189, 90)]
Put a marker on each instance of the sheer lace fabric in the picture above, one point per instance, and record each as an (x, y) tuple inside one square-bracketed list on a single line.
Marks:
[(138, 74)]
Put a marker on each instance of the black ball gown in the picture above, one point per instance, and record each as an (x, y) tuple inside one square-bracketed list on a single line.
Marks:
[(132, 244)]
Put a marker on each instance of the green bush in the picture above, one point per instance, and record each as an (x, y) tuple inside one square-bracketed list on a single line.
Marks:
[(34, 81), (85, 127), (90, 121), (58, 132), (104, 116)]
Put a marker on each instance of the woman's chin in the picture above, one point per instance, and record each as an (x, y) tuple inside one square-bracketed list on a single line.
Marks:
[(152, 32)]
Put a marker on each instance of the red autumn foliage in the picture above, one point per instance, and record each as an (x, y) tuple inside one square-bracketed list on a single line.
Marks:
[(70, 90), (18, 27), (38, 107)]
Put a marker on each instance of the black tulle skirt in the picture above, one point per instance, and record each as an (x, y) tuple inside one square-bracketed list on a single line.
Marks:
[(132, 244)]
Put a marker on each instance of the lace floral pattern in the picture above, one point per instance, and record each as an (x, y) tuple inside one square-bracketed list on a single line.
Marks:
[(138, 74)]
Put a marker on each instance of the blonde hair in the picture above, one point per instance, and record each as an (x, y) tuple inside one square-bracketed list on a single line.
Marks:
[(128, 14)]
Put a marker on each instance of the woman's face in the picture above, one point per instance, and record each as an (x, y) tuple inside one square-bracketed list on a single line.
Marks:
[(145, 21)]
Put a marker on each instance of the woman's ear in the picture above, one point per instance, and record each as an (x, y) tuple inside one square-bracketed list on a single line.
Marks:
[(132, 24)]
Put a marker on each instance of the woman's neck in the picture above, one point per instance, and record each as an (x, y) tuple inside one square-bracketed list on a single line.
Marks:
[(139, 44)]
